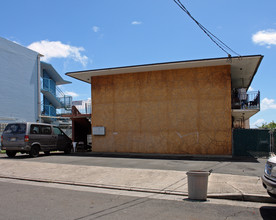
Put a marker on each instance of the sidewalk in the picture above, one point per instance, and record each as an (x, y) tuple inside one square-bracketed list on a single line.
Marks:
[(223, 186)]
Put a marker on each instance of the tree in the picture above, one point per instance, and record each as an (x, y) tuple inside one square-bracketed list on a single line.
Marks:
[(271, 125)]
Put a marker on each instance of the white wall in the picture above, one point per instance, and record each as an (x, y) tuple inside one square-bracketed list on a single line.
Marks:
[(84, 106), (18, 82)]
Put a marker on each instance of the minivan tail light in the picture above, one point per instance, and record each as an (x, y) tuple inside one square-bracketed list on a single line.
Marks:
[(1, 138), (26, 138)]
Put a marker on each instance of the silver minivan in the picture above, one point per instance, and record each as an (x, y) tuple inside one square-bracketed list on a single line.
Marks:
[(31, 138)]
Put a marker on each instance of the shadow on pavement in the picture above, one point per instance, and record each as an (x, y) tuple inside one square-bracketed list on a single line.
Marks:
[(167, 157), (196, 201), (26, 156), (268, 212), (249, 159)]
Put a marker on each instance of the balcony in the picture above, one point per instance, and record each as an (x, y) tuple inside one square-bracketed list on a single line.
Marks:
[(48, 110), (250, 100), (50, 114), (55, 95), (245, 105)]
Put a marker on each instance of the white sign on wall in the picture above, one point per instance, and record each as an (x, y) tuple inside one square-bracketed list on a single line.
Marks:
[(98, 130)]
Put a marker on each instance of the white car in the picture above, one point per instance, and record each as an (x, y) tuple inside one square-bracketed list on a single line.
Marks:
[(269, 177)]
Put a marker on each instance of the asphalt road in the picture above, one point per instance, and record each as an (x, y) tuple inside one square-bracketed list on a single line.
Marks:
[(241, 166), (23, 200)]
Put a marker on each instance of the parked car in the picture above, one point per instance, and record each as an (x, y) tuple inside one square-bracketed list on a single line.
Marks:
[(32, 138), (269, 177)]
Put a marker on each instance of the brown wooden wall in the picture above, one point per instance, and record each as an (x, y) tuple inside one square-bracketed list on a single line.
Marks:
[(184, 111)]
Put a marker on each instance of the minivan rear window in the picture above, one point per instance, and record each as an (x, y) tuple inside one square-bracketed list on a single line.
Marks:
[(15, 129)]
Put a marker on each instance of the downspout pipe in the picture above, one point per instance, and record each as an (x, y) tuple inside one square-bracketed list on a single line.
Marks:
[(38, 88)]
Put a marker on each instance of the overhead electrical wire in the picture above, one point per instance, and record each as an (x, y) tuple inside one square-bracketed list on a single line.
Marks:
[(215, 39)]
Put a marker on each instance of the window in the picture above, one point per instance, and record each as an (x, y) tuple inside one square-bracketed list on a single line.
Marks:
[(34, 129), (57, 131), (15, 129), (45, 129), (2, 127)]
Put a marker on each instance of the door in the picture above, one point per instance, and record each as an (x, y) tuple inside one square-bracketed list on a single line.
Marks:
[(35, 136), (61, 138), (47, 138)]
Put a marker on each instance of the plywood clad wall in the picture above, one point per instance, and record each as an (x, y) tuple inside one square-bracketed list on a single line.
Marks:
[(185, 111)]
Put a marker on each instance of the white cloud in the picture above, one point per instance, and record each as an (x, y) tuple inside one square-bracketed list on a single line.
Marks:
[(258, 123), (56, 49), (250, 89), (95, 29), (73, 94), (265, 37), (268, 104), (136, 22)]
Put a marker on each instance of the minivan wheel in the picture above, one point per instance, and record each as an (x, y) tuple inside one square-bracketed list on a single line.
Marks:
[(34, 152), (11, 154), (68, 149)]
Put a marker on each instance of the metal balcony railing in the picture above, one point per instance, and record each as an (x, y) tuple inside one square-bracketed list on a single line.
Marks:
[(65, 100), (50, 86), (250, 100), (48, 110), (63, 111)]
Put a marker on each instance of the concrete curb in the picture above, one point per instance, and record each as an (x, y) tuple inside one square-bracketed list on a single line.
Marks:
[(243, 197), (102, 186), (227, 196)]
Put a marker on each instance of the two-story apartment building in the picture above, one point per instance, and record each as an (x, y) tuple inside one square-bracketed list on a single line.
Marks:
[(187, 107)]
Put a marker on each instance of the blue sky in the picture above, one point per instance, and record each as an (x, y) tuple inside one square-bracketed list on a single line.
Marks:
[(91, 34)]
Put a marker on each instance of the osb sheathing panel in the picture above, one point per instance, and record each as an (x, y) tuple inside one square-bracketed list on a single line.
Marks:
[(185, 111)]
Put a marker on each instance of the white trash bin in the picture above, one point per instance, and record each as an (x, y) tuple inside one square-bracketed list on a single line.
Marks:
[(74, 146), (197, 184)]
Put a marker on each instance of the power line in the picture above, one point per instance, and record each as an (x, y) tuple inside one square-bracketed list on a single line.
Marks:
[(215, 39)]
